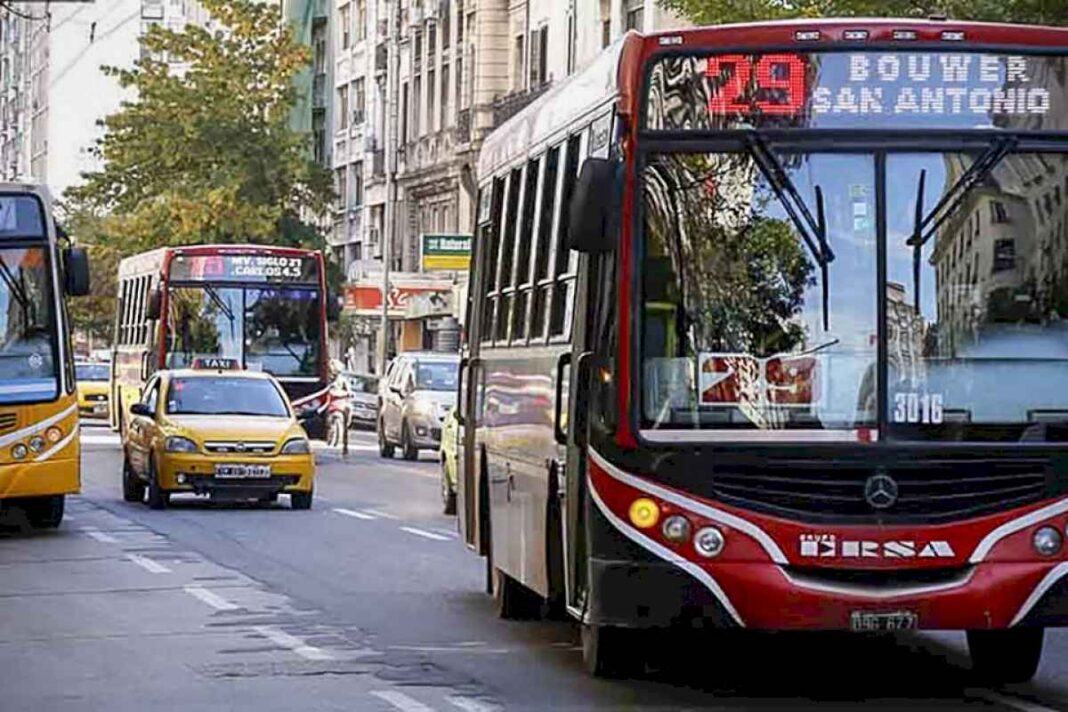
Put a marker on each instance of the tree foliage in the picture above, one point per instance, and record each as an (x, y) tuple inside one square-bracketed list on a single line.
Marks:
[(1050, 12), (202, 152)]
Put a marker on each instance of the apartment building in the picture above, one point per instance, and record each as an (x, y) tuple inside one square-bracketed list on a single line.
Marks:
[(53, 90)]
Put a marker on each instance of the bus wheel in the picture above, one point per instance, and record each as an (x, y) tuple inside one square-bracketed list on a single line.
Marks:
[(609, 652), (133, 489), (46, 512), (514, 601), (408, 450), (384, 448), (1002, 656), (158, 498), (301, 500)]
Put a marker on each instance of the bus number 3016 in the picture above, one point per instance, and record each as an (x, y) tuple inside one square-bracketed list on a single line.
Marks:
[(918, 408)]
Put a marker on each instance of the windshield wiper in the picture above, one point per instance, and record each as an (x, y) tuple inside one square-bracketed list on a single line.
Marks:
[(16, 291), (813, 230), (219, 302), (925, 226)]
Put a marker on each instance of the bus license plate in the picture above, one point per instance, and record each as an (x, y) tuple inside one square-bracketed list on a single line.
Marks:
[(864, 621), (242, 471)]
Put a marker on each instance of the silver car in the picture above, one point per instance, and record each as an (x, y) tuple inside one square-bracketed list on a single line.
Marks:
[(414, 397)]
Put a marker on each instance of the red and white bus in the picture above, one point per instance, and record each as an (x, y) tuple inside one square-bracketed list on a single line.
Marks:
[(767, 330), (265, 306)]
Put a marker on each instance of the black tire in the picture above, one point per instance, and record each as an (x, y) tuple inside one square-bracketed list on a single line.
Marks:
[(1005, 656), (384, 447), (514, 601), (158, 498), (301, 500), (408, 451), (45, 512), (133, 488), (610, 652)]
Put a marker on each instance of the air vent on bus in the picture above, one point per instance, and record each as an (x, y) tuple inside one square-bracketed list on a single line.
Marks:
[(8, 421)]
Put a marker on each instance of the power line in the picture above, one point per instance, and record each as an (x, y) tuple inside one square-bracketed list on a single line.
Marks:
[(6, 5)]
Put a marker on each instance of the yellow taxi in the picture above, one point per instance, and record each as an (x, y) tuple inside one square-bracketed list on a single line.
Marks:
[(219, 431), (94, 380)]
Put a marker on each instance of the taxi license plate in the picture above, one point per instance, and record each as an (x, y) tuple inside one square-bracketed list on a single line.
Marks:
[(863, 621), (242, 471)]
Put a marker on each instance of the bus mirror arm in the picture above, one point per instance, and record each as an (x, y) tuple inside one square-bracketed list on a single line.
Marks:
[(464, 362), (593, 215), (561, 363), (76, 270)]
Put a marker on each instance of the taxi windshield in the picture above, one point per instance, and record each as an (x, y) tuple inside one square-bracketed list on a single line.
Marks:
[(225, 396), (92, 371)]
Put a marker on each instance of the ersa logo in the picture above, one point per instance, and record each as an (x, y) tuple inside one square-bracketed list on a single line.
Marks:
[(215, 363), (829, 546)]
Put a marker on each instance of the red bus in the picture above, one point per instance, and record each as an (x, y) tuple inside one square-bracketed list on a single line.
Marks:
[(265, 306), (767, 330)]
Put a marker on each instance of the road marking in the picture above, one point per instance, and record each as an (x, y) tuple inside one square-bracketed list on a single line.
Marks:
[(446, 532), (112, 439), (1016, 703), (153, 567), (353, 513), (380, 513), (211, 598), (292, 642), (424, 533), (401, 701), (472, 704), (100, 536)]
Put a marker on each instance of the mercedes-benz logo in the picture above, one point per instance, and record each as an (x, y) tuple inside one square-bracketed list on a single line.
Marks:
[(880, 491)]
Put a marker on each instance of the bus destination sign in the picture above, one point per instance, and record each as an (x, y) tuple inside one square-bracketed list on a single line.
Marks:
[(875, 90), (244, 268)]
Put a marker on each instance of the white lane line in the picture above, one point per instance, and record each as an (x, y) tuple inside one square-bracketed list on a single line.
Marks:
[(446, 532), (292, 642), (100, 536), (353, 513), (211, 598), (1015, 703), (153, 567), (401, 701), (99, 439), (424, 533), (472, 704), (380, 513)]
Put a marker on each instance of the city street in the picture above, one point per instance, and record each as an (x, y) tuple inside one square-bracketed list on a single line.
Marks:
[(369, 602)]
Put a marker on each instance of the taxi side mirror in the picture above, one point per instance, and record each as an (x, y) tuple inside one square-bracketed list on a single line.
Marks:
[(142, 410)]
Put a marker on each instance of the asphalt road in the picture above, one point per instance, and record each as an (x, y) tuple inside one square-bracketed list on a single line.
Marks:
[(369, 602)]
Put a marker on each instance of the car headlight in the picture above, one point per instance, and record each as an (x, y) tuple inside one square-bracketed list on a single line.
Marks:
[(296, 446), (179, 444)]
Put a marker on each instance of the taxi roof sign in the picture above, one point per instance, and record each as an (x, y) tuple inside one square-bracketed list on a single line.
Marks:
[(216, 363)]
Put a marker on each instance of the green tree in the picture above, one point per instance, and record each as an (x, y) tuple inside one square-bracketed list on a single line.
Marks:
[(1052, 12)]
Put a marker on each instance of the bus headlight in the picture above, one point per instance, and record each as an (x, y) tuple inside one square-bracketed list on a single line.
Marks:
[(676, 528), (37, 443), (20, 451), (1047, 541), (708, 542), (179, 444), (53, 435), (296, 446)]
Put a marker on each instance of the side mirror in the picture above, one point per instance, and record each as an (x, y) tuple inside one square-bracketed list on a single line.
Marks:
[(141, 409), (76, 269), (593, 216), (333, 308), (155, 304)]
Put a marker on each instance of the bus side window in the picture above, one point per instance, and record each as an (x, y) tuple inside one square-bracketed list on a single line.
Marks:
[(521, 273), (491, 236), (547, 208), (564, 281), (504, 272)]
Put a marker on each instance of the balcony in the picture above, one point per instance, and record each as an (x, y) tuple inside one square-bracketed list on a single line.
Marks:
[(509, 105), (381, 58), (319, 91), (462, 132)]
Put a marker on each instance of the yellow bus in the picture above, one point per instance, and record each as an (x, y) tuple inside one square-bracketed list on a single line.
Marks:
[(39, 450)]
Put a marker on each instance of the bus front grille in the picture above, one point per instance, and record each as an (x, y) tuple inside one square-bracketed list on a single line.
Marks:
[(928, 491), (8, 421)]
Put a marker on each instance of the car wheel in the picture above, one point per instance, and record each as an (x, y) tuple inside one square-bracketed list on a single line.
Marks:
[(45, 512), (133, 489), (384, 448), (1004, 656), (158, 498), (408, 450), (301, 500)]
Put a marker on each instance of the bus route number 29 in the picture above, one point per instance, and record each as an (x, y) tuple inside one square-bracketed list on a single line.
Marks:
[(911, 407)]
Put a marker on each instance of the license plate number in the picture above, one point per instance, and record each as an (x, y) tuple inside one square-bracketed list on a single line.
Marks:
[(862, 621), (242, 471)]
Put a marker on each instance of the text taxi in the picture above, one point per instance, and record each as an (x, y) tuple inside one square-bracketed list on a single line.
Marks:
[(219, 431)]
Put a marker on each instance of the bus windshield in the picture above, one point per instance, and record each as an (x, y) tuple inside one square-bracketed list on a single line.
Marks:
[(28, 361), (273, 329)]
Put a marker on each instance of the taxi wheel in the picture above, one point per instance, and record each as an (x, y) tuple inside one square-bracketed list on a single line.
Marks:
[(384, 448), (158, 498), (301, 500), (1005, 656), (45, 512), (133, 489), (408, 450)]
